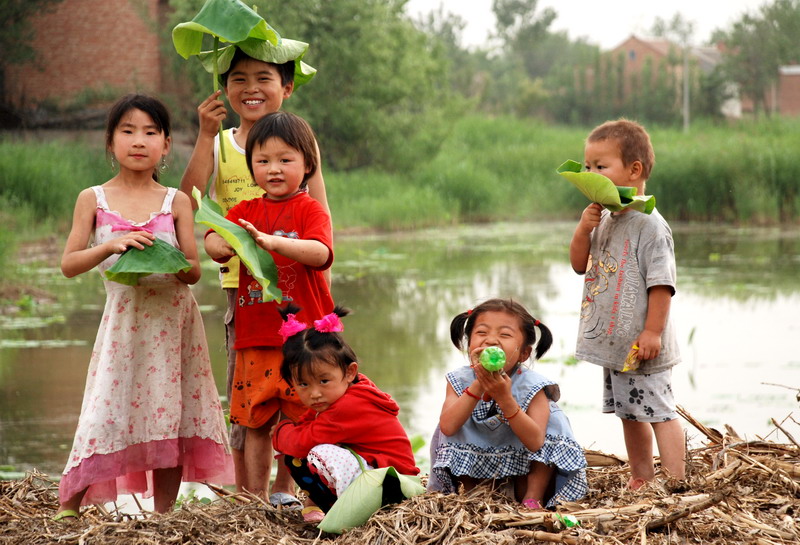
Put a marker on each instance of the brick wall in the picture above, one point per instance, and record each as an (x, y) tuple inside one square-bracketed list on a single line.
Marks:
[(90, 44)]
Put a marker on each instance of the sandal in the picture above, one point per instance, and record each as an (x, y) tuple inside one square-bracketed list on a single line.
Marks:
[(532, 504), (284, 500), (312, 513), (66, 513)]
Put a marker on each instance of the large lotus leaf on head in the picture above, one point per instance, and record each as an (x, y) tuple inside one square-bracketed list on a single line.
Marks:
[(259, 262), (277, 53), (367, 493), (230, 21), (161, 257), (597, 188)]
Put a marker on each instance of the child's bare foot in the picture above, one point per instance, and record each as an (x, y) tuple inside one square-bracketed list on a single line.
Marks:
[(636, 484), (532, 504), (311, 512)]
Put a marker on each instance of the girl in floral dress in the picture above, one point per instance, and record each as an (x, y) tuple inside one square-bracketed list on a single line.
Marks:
[(151, 415)]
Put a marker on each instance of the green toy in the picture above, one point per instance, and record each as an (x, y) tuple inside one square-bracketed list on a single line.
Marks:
[(493, 358)]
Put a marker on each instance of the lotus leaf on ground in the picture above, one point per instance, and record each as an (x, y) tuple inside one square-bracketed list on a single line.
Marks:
[(368, 492), (258, 261), (161, 257), (597, 188)]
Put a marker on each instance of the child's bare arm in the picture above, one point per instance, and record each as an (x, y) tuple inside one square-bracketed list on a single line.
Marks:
[(311, 253), (184, 231), (77, 257), (217, 248), (581, 240), (531, 426), (201, 164), (456, 410), (659, 299), (316, 185)]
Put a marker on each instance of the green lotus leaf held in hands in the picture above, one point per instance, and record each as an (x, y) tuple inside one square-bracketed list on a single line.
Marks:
[(161, 257), (597, 188), (258, 261), (229, 20)]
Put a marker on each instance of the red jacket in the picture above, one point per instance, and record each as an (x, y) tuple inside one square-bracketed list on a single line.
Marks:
[(364, 419)]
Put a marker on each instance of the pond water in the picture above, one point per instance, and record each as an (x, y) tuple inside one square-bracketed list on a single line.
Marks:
[(736, 312)]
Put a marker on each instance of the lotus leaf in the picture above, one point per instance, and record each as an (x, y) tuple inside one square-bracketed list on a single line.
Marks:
[(134, 263), (597, 188), (228, 20), (258, 261), (284, 51), (367, 493)]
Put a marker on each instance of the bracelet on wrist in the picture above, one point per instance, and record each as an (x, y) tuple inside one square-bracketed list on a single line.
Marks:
[(470, 394), (508, 418)]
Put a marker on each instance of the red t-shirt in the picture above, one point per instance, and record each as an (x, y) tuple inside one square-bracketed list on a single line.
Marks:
[(364, 419), (302, 217)]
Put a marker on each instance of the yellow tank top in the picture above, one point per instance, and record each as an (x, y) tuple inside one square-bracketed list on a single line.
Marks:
[(232, 184)]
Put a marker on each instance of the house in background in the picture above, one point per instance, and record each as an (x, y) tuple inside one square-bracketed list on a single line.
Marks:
[(90, 48), (783, 100)]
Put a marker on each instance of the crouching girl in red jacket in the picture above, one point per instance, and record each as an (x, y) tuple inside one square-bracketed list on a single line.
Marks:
[(346, 414)]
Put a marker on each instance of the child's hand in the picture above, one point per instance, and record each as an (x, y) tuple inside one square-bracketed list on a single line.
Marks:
[(590, 217), (211, 112), (494, 384), (134, 239), (263, 240), (217, 247), (649, 344)]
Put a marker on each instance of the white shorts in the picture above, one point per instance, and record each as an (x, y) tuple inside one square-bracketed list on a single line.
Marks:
[(641, 398)]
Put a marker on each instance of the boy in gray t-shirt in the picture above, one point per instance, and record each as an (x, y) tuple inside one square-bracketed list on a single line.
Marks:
[(629, 264)]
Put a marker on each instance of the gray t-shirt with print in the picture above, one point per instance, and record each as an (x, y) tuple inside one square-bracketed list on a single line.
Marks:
[(630, 252)]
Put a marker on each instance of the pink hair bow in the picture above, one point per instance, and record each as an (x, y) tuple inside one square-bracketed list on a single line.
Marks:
[(330, 323), (291, 327)]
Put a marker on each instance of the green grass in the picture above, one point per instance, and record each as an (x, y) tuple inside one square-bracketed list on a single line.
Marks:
[(486, 170)]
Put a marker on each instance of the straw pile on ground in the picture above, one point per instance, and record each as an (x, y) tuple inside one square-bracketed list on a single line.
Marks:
[(736, 492)]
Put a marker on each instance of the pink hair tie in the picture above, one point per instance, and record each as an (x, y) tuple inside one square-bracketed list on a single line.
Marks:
[(330, 323), (291, 327)]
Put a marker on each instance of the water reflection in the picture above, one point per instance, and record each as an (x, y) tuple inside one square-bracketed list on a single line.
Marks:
[(736, 313)]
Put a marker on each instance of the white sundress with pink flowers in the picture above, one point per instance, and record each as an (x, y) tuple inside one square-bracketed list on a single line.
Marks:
[(150, 400)]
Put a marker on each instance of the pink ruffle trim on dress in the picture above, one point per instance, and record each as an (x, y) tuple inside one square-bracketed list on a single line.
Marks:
[(130, 470)]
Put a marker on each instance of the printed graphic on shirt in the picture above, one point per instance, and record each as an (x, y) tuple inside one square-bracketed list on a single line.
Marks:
[(287, 278), (609, 277)]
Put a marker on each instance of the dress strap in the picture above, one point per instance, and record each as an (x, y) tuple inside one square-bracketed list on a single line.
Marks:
[(166, 207), (100, 195)]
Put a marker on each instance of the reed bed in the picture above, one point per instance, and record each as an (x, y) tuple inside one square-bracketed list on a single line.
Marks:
[(736, 492)]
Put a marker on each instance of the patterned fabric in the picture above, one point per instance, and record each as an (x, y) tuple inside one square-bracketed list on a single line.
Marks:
[(630, 253), (259, 391), (232, 184), (150, 400), (336, 466), (486, 447), (641, 398), (300, 216), (325, 474)]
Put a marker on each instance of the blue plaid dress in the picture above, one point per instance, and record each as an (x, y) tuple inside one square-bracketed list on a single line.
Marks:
[(486, 447)]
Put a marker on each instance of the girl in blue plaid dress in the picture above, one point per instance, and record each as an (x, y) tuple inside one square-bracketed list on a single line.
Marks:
[(504, 426)]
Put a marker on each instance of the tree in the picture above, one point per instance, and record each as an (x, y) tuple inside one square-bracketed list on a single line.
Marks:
[(681, 31), (381, 96), (758, 44)]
